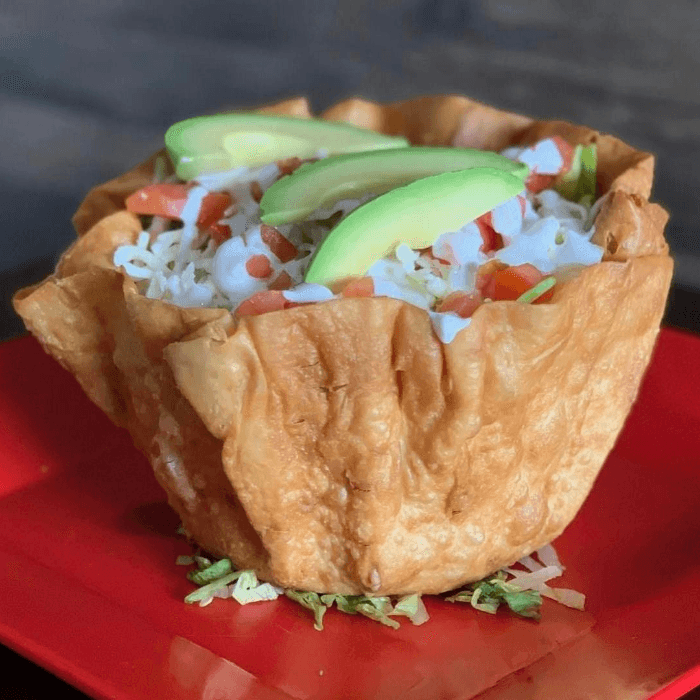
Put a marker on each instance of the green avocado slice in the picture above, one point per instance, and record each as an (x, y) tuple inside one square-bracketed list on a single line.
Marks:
[(416, 214), (313, 185), (225, 141)]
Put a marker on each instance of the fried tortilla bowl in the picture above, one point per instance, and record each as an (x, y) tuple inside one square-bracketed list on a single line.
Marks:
[(341, 447)]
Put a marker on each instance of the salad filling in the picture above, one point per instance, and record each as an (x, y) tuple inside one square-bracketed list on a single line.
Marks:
[(204, 244)]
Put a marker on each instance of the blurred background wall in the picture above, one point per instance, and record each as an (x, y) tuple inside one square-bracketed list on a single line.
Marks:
[(87, 87)]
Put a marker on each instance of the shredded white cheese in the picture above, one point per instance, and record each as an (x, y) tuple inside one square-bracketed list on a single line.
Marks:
[(539, 573)]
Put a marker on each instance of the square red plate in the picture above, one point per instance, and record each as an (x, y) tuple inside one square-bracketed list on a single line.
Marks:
[(91, 590)]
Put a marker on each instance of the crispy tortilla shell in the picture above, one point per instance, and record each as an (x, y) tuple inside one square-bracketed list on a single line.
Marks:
[(341, 447)]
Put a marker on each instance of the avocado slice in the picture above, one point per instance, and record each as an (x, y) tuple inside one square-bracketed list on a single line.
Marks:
[(314, 185), (415, 214), (225, 141)]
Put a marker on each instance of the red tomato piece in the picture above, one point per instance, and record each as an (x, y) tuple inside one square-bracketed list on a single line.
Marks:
[(213, 207), (566, 150), (262, 303), (485, 282), (282, 248), (536, 183), (360, 287), (168, 199), (258, 266), (282, 281), (219, 232), (164, 199), (256, 191), (428, 252), (492, 240), (514, 281), (461, 303), (289, 165)]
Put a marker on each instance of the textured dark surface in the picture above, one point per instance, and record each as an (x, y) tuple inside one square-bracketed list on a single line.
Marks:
[(87, 88)]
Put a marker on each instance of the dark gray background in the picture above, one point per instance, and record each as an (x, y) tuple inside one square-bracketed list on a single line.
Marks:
[(89, 86)]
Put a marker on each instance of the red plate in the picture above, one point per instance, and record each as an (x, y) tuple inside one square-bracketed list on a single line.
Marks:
[(91, 590)]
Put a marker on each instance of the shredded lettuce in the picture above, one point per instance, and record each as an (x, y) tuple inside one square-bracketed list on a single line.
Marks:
[(210, 572), (569, 180), (586, 188), (579, 184), (413, 607), (377, 608), (312, 601), (204, 593), (487, 595), (537, 291), (249, 590)]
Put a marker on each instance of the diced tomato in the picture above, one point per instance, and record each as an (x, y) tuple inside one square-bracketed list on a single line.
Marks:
[(566, 151), (258, 266), (289, 165), (492, 240), (461, 303), (256, 191), (164, 199), (168, 199), (486, 219), (512, 282), (262, 303), (213, 207), (219, 232), (485, 282), (428, 252), (281, 282), (536, 182), (282, 248), (360, 287)]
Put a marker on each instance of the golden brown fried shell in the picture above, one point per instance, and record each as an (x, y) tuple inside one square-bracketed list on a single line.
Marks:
[(341, 447)]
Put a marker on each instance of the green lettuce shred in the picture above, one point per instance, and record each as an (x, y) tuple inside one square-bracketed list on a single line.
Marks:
[(579, 184), (210, 572), (377, 608), (248, 579), (490, 593), (569, 181), (486, 595), (537, 291), (413, 607), (368, 609), (586, 188), (207, 591), (408, 605), (312, 601)]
